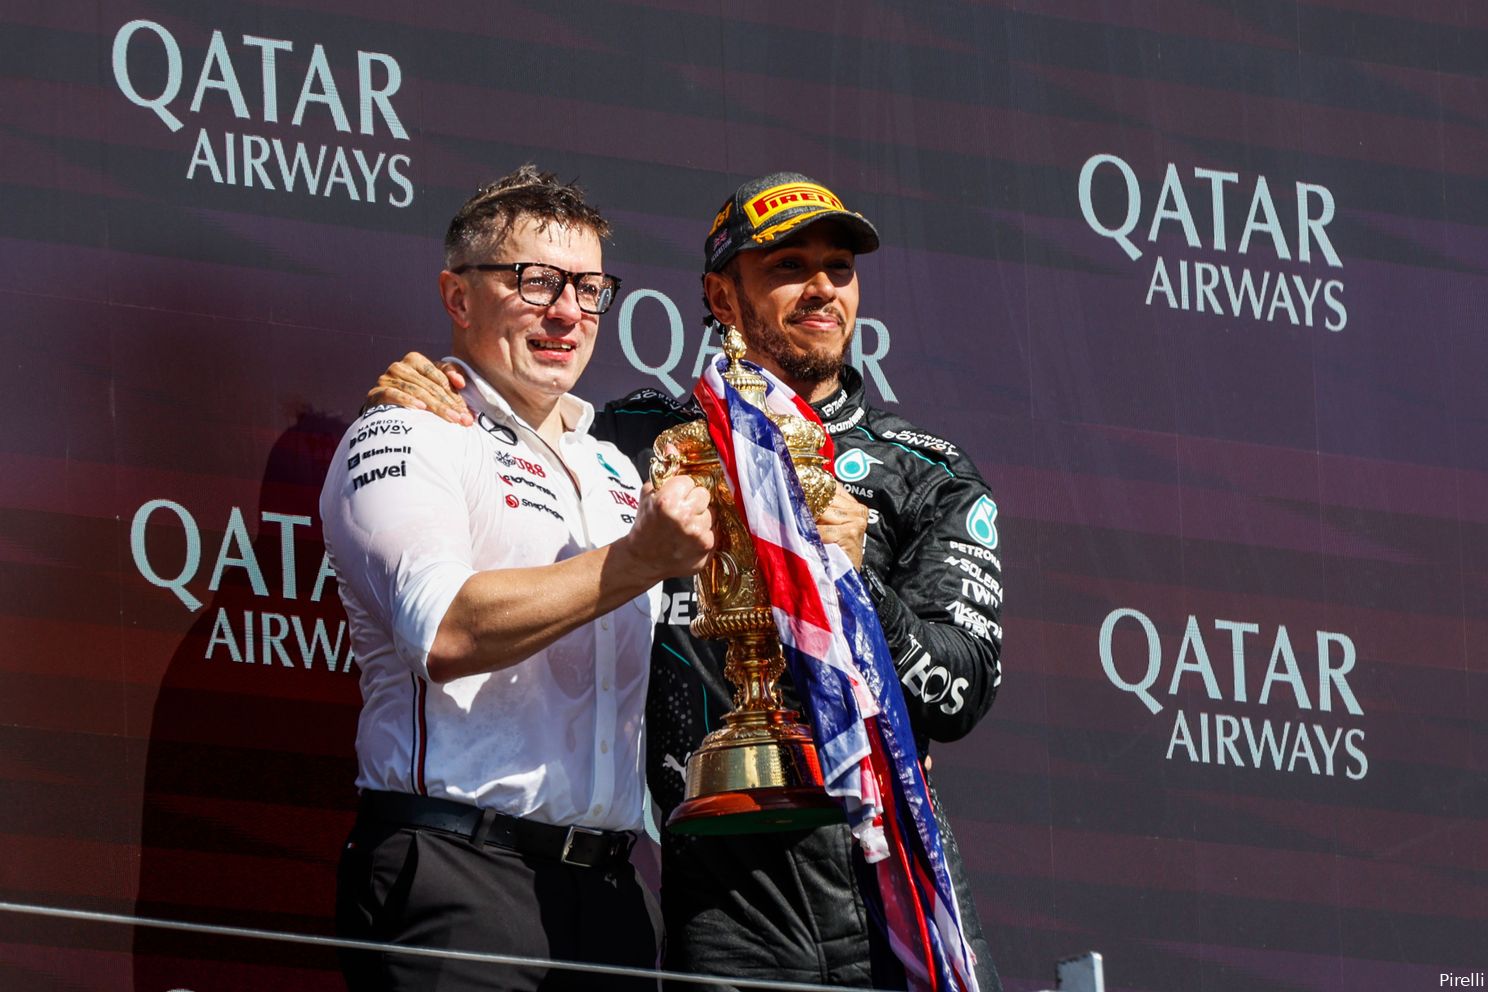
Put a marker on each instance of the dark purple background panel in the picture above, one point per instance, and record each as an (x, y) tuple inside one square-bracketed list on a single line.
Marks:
[(1245, 477)]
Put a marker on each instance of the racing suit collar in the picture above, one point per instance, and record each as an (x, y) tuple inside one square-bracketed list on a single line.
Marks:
[(844, 408), (577, 414)]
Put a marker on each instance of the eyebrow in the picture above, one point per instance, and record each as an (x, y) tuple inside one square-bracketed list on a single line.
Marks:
[(796, 241)]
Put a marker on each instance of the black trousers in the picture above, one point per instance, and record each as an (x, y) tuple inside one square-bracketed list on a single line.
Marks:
[(431, 889), (791, 906)]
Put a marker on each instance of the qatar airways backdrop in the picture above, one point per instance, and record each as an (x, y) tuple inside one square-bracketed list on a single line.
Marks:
[(1199, 285)]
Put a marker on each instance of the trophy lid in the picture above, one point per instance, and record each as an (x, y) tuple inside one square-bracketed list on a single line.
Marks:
[(750, 385)]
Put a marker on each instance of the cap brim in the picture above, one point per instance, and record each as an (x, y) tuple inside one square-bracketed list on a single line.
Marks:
[(864, 235)]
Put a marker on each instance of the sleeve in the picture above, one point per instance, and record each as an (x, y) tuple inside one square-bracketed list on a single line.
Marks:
[(397, 522), (940, 604)]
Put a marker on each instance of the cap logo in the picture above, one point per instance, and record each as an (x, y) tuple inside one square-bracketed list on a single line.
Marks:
[(723, 216), (777, 198)]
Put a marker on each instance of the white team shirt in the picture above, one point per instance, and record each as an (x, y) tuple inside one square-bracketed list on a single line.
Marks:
[(412, 507)]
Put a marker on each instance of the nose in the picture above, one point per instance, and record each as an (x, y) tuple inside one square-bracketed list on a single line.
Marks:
[(566, 306), (820, 286)]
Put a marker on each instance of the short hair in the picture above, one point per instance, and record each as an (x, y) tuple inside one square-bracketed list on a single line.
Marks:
[(730, 269), (483, 223)]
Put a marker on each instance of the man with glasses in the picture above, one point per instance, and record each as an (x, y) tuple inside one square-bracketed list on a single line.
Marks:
[(780, 264), (500, 587)]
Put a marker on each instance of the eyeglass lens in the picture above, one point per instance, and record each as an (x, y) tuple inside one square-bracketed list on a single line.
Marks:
[(542, 284)]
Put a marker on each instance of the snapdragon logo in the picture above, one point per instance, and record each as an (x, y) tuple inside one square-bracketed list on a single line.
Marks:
[(1216, 274), (1283, 721), (151, 73)]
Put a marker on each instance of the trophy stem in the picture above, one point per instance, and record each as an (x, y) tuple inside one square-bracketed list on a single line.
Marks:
[(753, 665)]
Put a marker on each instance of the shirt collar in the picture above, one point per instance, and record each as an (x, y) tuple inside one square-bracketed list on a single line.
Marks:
[(843, 405), (577, 414)]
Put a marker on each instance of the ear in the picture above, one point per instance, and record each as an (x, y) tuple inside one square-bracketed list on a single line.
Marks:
[(722, 296), (455, 296)]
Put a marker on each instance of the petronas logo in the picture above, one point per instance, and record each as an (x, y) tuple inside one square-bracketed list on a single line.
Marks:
[(981, 522), (855, 465)]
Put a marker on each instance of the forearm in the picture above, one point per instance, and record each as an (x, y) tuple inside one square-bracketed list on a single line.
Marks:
[(504, 616), (949, 675)]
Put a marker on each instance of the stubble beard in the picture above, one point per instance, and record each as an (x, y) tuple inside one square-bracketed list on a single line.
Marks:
[(814, 365)]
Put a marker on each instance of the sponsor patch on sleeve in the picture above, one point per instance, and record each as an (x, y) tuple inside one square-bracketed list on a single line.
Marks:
[(981, 522)]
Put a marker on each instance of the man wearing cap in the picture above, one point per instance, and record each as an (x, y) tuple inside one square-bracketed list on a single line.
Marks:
[(779, 264), (498, 582)]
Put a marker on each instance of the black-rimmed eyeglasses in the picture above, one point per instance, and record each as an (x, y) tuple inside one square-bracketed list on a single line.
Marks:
[(541, 284)]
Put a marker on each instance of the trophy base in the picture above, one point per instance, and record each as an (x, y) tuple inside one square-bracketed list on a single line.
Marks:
[(755, 811), (758, 774)]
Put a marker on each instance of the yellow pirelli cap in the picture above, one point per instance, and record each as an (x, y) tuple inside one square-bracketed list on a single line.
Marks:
[(764, 210)]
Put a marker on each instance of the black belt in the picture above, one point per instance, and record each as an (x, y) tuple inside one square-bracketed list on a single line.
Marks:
[(582, 846)]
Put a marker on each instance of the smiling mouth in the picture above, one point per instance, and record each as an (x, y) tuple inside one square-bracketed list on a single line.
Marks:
[(817, 318), (549, 344)]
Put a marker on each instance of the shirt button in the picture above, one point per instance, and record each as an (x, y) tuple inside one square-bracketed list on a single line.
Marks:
[(598, 809), (605, 685), (604, 747), (604, 623)]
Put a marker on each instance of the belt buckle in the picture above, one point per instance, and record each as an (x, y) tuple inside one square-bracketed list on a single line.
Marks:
[(568, 844)]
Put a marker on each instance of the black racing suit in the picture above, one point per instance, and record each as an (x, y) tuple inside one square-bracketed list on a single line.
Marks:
[(787, 905)]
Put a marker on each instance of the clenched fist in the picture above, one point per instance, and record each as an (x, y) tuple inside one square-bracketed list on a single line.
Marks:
[(673, 531)]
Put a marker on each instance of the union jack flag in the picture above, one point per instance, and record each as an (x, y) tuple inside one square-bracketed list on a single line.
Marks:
[(835, 652)]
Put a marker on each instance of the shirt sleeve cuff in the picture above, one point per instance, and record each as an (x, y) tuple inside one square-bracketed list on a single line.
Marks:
[(421, 611)]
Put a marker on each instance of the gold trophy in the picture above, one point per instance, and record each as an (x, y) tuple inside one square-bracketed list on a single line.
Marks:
[(759, 772)]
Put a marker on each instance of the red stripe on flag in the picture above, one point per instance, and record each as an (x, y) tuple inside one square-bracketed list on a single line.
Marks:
[(897, 854), (790, 581), (828, 450), (720, 431)]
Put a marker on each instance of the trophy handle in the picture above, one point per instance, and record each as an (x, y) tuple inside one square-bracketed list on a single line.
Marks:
[(665, 464)]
